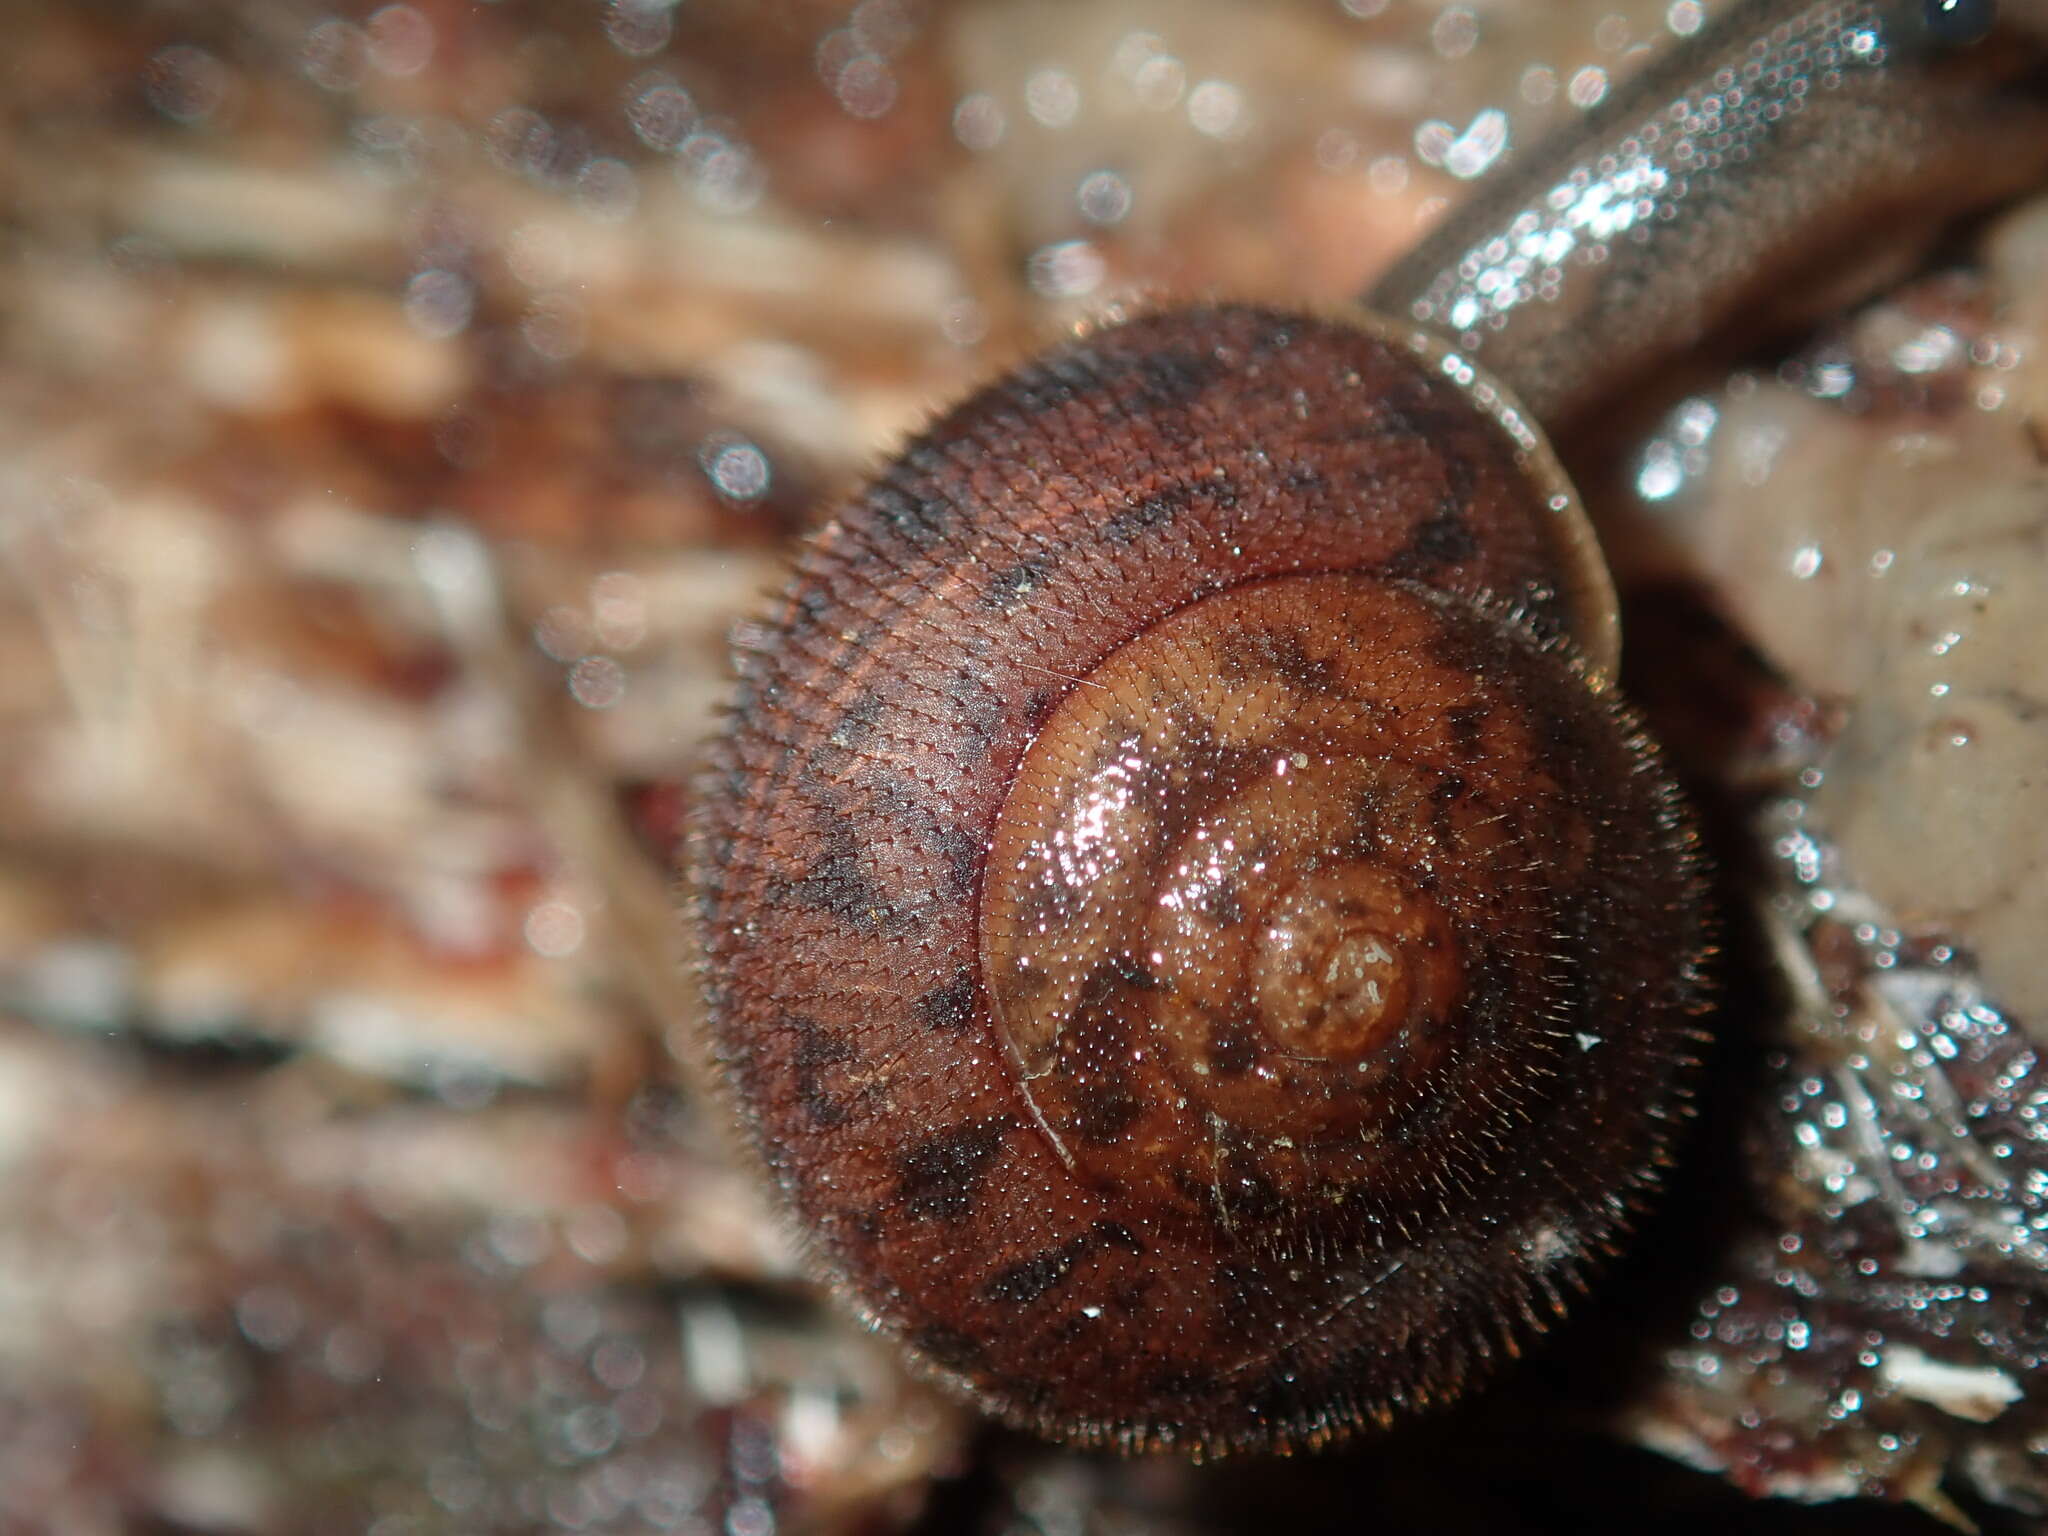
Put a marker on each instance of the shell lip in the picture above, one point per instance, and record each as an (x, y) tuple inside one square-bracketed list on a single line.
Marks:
[(1571, 531)]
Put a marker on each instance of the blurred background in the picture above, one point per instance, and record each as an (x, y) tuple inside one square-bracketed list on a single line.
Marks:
[(399, 406)]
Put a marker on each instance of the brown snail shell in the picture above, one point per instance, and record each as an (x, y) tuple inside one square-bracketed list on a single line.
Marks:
[(1195, 938)]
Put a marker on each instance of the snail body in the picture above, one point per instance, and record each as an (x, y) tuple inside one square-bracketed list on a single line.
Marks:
[(1197, 943), (1023, 975), (1781, 162)]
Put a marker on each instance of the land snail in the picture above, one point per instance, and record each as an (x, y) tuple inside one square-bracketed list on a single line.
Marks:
[(1201, 949)]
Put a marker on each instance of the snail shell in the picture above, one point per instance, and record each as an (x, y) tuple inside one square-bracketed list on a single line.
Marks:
[(1201, 949)]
